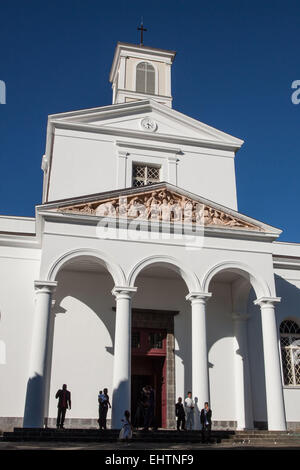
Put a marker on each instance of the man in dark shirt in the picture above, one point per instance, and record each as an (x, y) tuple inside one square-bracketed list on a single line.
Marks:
[(180, 415), (104, 404), (205, 419), (149, 413), (64, 402)]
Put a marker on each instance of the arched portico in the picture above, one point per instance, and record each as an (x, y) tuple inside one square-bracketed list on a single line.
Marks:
[(197, 335), (189, 277), (260, 286), (242, 278), (41, 350), (62, 261)]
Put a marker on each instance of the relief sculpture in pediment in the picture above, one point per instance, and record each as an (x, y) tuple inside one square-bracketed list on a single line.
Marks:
[(160, 205)]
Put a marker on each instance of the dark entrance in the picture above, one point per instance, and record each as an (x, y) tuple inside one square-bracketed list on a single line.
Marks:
[(148, 367)]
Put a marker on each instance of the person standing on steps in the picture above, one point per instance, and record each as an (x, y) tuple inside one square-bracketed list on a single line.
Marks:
[(104, 405), (189, 410), (100, 396), (64, 402), (205, 419), (180, 415), (149, 413)]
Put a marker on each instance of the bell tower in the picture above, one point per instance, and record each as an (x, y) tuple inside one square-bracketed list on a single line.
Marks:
[(140, 72)]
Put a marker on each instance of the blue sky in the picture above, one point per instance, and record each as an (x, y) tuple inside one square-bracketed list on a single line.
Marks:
[(235, 63)]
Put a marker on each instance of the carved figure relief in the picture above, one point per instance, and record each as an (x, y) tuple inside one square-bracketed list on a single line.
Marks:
[(160, 205)]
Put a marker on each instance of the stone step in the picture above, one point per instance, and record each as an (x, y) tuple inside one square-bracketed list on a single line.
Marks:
[(91, 439), (261, 441), (163, 435), (105, 436)]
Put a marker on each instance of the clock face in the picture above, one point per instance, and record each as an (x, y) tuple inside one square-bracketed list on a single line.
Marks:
[(148, 124)]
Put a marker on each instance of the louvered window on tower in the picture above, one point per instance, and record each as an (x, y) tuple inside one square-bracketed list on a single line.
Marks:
[(145, 174), (145, 78)]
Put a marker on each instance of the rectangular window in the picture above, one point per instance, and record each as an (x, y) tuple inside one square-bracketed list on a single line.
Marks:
[(145, 174), (135, 339), (156, 340)]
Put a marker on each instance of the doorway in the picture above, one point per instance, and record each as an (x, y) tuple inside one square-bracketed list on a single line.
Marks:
[(148, 367)]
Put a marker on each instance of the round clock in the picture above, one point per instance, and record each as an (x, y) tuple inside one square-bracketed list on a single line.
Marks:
[(148, 124)]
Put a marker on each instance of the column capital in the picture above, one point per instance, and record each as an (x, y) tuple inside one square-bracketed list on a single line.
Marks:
[(124, 290), (123, 153), (200, 296), (266, 301), (45, 286), (173, 158)]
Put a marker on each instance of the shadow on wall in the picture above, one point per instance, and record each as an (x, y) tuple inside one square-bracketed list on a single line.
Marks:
[(84, 329), (184, 348), (256, 363), (87, 294), (289, 307), (118, 399), (33, 405)]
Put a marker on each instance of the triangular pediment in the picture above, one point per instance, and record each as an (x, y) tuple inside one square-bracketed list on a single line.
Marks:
[(160, 202), (129, 117)]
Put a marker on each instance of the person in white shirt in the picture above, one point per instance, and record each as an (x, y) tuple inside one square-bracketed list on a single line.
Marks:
[(189, 410)]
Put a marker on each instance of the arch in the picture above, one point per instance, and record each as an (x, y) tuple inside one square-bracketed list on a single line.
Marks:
[(289, 325), (114, 269), (259, 285), (155, 77), (187, 275)]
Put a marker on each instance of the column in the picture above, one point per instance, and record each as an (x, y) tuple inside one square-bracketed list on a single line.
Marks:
[(200, 381), (39, 358), (243, 398), (122, 73), (172, 169), (121, 168), (274, 390), (168, 91), (121, 396)]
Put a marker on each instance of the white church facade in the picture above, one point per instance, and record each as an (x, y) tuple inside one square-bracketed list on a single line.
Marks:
[(139, 269)]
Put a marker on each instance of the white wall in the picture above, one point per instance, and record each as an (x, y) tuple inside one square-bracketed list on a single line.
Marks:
[(221, 352), (18, 269), (82, 164), (85, 163)]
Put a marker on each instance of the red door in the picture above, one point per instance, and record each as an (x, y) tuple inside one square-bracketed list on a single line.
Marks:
[(148, 367)]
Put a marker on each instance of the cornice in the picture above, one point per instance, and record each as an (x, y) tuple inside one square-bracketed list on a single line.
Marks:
[(145, 106), (145, 136), (144, 146), (286, 262)]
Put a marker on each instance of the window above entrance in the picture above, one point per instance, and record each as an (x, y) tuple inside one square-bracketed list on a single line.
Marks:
[(145, 174), (150, 342)]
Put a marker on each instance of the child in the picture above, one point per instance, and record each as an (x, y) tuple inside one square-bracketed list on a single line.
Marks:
[(180, 414), (126, 431)]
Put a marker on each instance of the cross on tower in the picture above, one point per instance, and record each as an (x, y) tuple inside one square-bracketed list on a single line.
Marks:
[(142, 29)]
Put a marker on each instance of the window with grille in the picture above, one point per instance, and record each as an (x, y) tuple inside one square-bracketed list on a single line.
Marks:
[(145, 174), (290, 352), (145, 78)]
